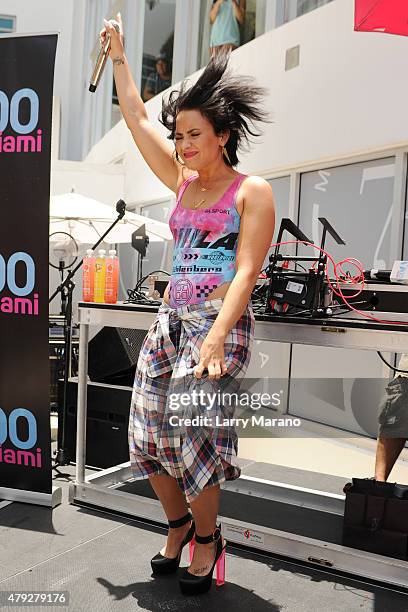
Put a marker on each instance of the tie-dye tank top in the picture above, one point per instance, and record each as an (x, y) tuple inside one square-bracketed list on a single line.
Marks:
[(205, 245)]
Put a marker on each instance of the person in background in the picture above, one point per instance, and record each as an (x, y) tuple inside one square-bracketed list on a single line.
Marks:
[(225, 17), (160, 79), (393, 422)]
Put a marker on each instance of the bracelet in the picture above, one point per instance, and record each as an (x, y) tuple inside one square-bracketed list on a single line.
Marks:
[(117, 61)]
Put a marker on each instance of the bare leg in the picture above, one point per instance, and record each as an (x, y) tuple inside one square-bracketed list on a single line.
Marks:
[(175, 506), (388, 451), (205, 510)]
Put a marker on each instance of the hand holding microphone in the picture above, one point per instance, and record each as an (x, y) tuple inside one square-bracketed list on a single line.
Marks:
[(111, 39), (114, 30)]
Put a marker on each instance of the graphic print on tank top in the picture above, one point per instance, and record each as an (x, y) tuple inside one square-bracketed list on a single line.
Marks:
[(205, 244)]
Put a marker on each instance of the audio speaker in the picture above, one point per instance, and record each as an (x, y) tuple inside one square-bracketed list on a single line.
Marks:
[(113, 353), (106, 425)]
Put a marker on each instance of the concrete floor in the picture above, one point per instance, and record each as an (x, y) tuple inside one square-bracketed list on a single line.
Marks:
[(103, 562), (344, 457)]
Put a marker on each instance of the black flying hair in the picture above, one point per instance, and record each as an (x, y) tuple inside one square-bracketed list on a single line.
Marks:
[(227, 101)]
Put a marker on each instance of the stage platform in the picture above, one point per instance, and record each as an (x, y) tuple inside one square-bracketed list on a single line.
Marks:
[(103, 561)]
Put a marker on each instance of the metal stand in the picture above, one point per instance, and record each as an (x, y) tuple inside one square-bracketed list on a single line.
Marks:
[(66, 289), (323, 510)]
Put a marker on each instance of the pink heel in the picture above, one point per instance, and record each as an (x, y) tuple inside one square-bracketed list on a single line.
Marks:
[(220, 569), (191, 548), (195, 585)]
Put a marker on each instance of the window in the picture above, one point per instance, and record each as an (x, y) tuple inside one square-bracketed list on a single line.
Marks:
[(296, 8), (280, 187), (226, 29), (348, 196), (7, 24), (327, 385), (158, 40), (305, 6)]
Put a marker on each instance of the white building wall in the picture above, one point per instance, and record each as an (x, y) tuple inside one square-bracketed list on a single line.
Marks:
[(347, 95), (43, 16), (104, 183), (161, 23)]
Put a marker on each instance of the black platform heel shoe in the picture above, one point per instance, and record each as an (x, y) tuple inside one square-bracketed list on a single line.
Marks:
[(168, 565), (196, 585)]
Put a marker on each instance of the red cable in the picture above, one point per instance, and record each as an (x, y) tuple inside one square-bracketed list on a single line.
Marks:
[(352, 280)]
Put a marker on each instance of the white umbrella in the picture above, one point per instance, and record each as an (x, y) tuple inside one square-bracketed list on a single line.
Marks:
[(87, 219)]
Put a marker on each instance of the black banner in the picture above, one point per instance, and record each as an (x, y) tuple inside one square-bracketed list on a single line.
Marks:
[(26, 87)]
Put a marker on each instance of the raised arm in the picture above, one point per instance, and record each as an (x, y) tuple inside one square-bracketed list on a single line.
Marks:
[(214, 10), (156, 150), (239, 10)]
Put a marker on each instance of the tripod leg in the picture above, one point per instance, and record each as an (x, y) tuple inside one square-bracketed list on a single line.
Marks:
[(63, 457)]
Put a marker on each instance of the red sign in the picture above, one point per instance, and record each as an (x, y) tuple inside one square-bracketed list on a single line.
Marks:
[(389, 16)]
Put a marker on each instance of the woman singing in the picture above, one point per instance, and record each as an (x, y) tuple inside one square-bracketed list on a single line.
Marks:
[(222, 224)]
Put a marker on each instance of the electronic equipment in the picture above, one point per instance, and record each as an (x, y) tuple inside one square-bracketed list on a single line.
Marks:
[(113, 353), (306, 292), (378, 275), (56, 324), (56, 342), (140, 241), (106, 425), (384, 300)]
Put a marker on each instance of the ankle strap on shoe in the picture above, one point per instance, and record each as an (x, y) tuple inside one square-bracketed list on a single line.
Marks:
[(181, 521), (210, 538)]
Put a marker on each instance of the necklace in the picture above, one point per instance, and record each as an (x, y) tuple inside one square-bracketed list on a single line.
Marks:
[(197, 204), (203, 189)]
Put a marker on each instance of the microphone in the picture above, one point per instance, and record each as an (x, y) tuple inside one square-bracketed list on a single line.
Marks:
[(121, 208), (101, 59)]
